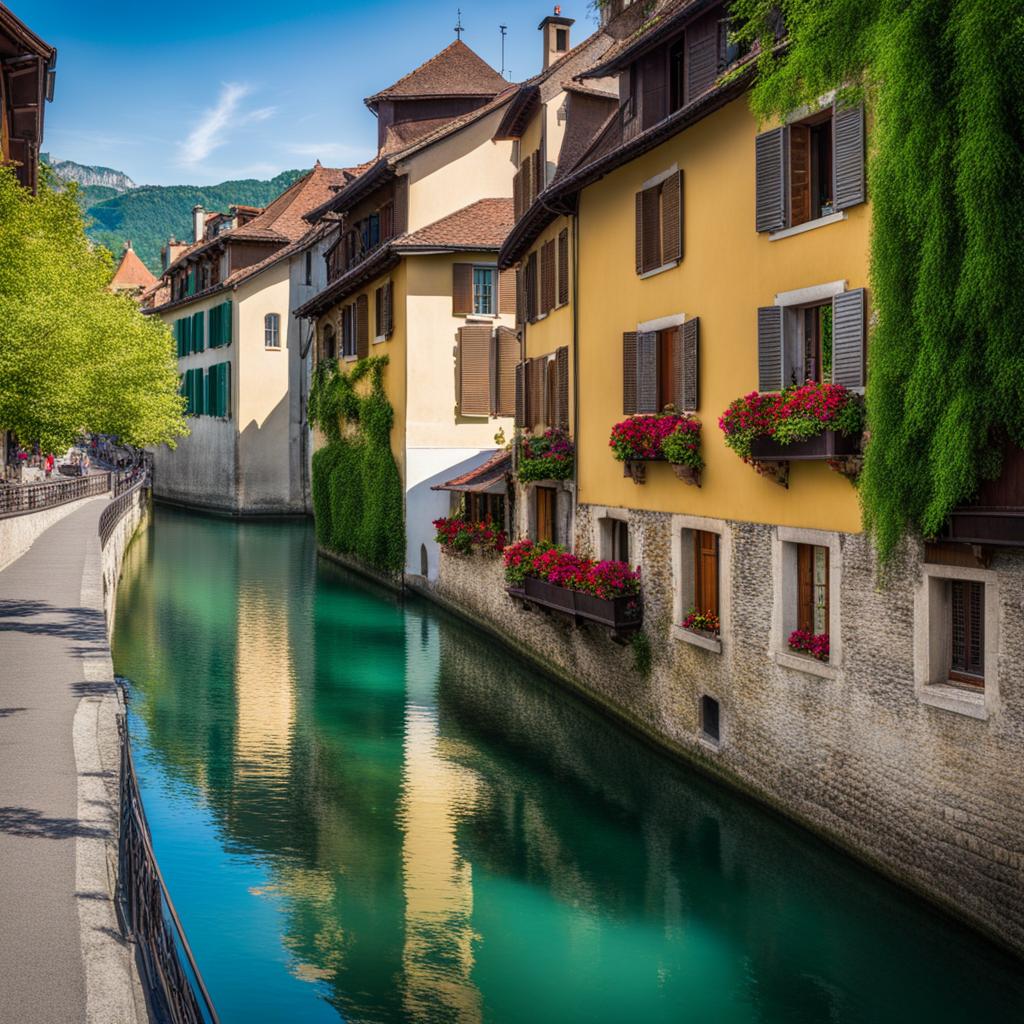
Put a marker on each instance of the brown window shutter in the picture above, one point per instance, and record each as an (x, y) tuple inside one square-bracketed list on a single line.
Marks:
[(562, 388), (462, 289), (639, 242), (629, 373), (474, 342), (563, 266), (647, 372), (672, 218), (701, 56), (531, 287), (526, 170), (654, 83), (537, 175), (520, 295), (535, 407), (507, 349), (652, 229), (517, 194), (401, 215), (547, 277), (805, 586), (550, 393), (705, 562), (521, 394), (389, 310), (799, 174), (362, 326), (686, 366), (492, 375), (507, 291)]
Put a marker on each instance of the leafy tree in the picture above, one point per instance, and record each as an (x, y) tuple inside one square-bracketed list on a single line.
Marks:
[(944, 81), (74, 358)]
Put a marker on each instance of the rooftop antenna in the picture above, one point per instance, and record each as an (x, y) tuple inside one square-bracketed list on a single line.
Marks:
[(504, 30), (458, 26)]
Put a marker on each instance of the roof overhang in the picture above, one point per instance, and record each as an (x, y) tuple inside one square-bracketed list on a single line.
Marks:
[(490, 477), (523, 106), (380, 173), (383, 260)]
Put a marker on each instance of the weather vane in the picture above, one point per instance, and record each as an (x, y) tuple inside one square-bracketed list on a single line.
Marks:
[(458, 26)]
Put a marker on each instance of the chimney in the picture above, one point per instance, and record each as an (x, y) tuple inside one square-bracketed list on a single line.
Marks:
[(198, 223), (555, 37)]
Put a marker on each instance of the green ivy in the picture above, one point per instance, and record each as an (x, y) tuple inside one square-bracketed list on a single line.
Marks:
[(357, 489), (943, 80)]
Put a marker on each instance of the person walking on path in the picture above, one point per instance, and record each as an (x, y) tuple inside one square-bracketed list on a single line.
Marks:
[(49, 465)]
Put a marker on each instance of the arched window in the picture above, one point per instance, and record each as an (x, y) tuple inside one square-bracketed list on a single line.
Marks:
[(272, 330), (328, 348), (424, 562)]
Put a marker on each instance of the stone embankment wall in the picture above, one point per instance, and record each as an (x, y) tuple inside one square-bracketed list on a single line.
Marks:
[(117, 544), (19, 533), (857, 750)]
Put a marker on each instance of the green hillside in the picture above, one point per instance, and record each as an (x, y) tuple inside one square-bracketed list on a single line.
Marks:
[(150, 214)]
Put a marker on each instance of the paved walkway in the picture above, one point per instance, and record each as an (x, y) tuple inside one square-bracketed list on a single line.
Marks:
[(62, 959)]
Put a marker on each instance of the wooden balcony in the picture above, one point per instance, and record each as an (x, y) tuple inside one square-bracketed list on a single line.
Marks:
[(996, 516)]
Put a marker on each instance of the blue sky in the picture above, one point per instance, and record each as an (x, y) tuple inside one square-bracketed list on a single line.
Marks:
[(250, 89)]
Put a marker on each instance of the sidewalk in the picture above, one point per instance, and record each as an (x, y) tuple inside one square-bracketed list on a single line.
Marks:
[(62, 958)]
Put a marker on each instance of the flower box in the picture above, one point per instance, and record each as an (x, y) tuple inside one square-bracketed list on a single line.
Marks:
[(619, 613), (829, 444), (549, 595)]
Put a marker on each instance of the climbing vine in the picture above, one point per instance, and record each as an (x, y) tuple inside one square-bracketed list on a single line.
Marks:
[(357, 489), (943, 80)]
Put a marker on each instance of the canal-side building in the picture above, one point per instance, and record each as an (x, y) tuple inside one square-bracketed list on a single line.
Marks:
[(227, 298), (412, 276), (714, 260)]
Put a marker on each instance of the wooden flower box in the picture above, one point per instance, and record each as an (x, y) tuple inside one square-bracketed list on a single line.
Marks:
[(619, 614), (549, 595), (829, 444), (636, 470)]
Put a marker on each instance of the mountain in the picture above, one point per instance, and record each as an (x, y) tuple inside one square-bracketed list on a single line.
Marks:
[(150, 214), (107, 177)]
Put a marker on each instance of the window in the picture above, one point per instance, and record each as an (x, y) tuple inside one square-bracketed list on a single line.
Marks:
[(810, 169), (546, 502), (272, 330), (348, 331), (382, 311), (701, 560), (531, 287), (563, 266), (815, 324), (675, 75), (309, 267), (483, 291), (561, 40), (705, 571), (659, 224), (812, 588), (967, 632), (614, 544), (329, 350), (661, 368), (481, 507), (710, 718)]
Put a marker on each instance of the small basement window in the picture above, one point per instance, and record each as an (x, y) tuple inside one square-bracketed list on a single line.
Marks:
[(710, 718)]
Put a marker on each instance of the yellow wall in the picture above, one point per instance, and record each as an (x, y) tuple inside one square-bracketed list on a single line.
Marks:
[(727, 272)]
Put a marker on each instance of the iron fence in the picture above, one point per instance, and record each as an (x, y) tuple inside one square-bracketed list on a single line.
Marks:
[(18, 500), (177, 992), (133, 492)]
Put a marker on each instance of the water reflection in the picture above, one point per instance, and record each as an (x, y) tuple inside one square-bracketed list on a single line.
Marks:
[(371, 813)]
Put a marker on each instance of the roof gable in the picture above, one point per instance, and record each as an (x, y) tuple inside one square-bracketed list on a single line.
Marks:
[(455, 71)]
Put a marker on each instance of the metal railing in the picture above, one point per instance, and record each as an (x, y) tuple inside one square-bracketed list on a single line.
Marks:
[(18, 499), (127, 492), (177, 992)]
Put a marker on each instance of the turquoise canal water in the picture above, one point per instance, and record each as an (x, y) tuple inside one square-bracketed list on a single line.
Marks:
[(366, 811)]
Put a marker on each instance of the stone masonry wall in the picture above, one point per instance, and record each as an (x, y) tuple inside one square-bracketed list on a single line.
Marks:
[(931, 797)]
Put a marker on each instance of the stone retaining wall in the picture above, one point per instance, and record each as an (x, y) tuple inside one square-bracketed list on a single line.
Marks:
[(931, 797), (19, 533)]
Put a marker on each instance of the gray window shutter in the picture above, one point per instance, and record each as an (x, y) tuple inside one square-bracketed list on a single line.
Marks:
[(363, 326), (769, 348), (629, 373), (685, 366), (562, 388), (701, 55), (849, 187), (652, 228), (639, 232), (770, 178), (672, 218), (647, 372), (848, 340)]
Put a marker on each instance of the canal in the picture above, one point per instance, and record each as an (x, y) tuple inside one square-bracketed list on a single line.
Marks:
[(367, 811)]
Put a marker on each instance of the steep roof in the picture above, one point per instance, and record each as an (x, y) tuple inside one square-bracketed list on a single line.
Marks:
[(455, 71), (131, 272), (481, 225)]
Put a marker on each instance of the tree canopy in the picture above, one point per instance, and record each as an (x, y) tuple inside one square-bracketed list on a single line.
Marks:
[(74, 358), (944, 81)]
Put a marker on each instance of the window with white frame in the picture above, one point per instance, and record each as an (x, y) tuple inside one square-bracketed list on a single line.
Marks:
[(614, 538), (272, 330), (483, 291)]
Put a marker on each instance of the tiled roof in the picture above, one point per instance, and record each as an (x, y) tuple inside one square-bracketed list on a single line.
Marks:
[(131, 272), (405, 133), (155, 295), (455, 71), (490, 476), (481, 225)]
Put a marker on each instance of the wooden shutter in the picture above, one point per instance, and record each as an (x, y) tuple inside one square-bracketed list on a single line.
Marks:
[(535, 399), (474, 343), (562, 388), (200, 391), (770, 160), (805, 586), (531, 287), (462, 289), (672, 218), (647, 372), (849, 186), (639, 236), (547, 277), (507, 291), (520, 295), (214, 328), (629, 373), (705, 565), (685, 366), (507, 386), (362, 326), (517, 194), (701, 56), (537, 175), (225, 389), (654, 86), (227, 327), (848, 338), (401, 202), (526, 170), (799, 174), (652, 229), (563, 266), (520, 395), (389, 310), (198, 334), (769, 348)]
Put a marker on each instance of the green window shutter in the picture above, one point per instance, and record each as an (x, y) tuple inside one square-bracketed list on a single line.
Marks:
[(208, 386), (177, 337), (201, 409), (191, 288), (224, 393), (197, 332), (226, 307)]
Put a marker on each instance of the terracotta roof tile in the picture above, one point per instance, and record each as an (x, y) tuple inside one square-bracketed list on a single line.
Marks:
[(455, 71), (131, 272), (481, 225), (490, 476)]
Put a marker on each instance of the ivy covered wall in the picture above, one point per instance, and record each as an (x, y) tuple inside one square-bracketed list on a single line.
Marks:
[(357, 488), (943, 81)]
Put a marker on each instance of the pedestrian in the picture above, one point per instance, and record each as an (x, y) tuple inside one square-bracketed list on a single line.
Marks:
[(49, 465)]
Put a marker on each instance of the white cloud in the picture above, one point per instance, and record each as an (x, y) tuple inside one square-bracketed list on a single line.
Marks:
[(212, 130)]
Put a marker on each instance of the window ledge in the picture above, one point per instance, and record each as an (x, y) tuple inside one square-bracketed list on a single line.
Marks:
[(379, 339), (805, 663), (959, 700), (662, 269), (486, 317), (706, 642), (810, 225), (349, 359)]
